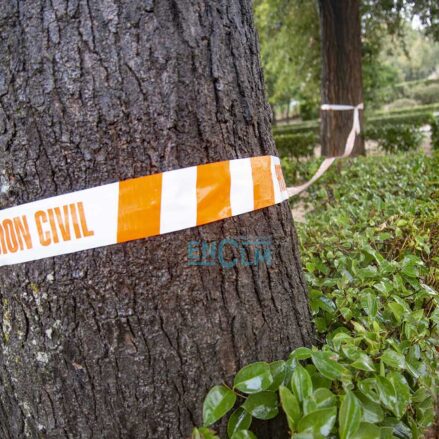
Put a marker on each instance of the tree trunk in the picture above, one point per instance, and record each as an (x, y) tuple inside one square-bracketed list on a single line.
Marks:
[(340, 27), (124, 341)]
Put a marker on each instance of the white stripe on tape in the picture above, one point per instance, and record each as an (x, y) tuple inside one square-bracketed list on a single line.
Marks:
[(241, 188), (179, 200)]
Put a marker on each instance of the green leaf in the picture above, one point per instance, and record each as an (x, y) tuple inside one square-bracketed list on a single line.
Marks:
[(402, 391), (371, 305), (350, 416), (290, 406), (239, 420), (369, 388), (309, 405), (204, 433), (218, 402), (372, 412), (244, 434), (253, 378), (301, 353), (301, 383), (262, 405), (278, 371), (364, 362), (387, 394), (319, 423), (393, 359), (397, 310), (367, 431), (324, 398), (328, 367)]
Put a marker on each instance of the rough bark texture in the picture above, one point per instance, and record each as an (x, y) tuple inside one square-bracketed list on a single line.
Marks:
[(123, 341), (341, 73)]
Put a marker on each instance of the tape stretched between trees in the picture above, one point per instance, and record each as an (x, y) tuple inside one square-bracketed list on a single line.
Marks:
[(148, 206)]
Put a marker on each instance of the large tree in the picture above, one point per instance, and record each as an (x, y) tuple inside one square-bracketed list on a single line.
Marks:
[(123, 341), (342, 82)]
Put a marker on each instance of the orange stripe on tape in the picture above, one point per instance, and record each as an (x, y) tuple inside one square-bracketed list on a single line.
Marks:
[(139, 208), (262, 182), (213, 192)]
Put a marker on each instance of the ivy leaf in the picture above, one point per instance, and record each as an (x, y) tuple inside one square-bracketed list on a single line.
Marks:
[(218, 402), (350, 416), (244, 434), (393, 359), (278, 371), (301, 383), (372, 412), (387, 394), (318, 423), (363, 362), (301, 353), (239, 420), (367, 431), (402, 391), (253, 378), (290, 406), (262, 405), (324, 398), (329, 368), (369, 388)]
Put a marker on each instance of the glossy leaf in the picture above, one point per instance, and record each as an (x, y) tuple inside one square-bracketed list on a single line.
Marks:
[(319, 423), (253, 378), (387, 394), (364, 362), (218, 402), (372, 412), (328, 367), (244, 434), (402, 391), (350, 416), (393, 359), (262, 405), (301, 383), (367, 431), (301, 353), (324, 398), (290, 406), (239, 420), (278, 371)]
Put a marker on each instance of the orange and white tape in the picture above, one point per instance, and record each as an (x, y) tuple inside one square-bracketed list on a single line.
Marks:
[(151, 205), (139, 208)]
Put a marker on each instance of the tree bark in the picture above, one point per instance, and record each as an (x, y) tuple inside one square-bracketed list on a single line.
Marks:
[(340, 27), (124, 341)]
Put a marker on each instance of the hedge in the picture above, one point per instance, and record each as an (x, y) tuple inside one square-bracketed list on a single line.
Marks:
[(394, 131)]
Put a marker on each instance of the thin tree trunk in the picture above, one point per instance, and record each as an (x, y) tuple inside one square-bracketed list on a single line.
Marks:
[(124, 341), (341, 73)]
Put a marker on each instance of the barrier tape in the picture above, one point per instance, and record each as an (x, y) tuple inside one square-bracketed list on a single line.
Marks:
[(148, 206), (349, 147), (139, 208)]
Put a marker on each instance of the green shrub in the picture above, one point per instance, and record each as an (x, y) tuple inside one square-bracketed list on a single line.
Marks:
[(408, 110), (402, 103), (296, 145), (426, 94), (392, 138), (371, 254), (413, 118), (298, 128)]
